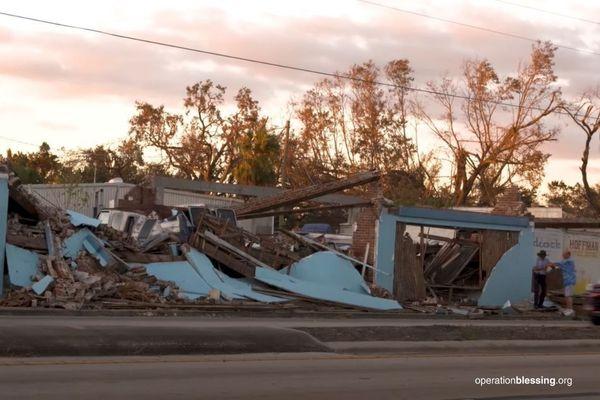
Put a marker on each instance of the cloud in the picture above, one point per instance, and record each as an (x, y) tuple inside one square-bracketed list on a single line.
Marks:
[(95, 74)]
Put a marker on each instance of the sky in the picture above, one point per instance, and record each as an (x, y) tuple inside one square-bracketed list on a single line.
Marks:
[(78, 89)]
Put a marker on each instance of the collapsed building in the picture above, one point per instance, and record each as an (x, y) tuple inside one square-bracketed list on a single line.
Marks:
[(62, 258), (181, 244)]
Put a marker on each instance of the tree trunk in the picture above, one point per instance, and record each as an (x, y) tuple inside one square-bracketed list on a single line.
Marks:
[(590, 194)]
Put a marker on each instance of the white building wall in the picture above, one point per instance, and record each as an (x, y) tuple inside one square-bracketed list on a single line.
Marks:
[(180, 198), (80, 197), (584, 247)]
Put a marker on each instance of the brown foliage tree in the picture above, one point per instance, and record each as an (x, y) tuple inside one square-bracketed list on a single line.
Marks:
[(353, 124), (201, 143), (492, 145)]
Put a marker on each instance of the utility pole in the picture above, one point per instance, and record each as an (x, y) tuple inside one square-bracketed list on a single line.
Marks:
[(283, 165)]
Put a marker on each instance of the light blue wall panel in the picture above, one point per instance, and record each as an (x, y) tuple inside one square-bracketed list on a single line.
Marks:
[(3, 221)]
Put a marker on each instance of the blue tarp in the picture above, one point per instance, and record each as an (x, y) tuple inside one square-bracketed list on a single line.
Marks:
[(78, 219), (22, 265)]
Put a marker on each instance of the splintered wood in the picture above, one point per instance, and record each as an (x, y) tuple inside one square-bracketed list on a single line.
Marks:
[(409, 282)]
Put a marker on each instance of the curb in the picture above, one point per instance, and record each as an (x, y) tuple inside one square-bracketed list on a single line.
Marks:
[(261, 312), (43, 341), (468, 347)]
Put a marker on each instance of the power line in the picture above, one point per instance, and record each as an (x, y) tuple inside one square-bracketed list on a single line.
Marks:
[(510, 3), (270, 63), (470, 26), (18, 141)]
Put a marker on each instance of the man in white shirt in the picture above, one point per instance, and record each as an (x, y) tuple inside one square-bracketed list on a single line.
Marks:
[(539, 279)]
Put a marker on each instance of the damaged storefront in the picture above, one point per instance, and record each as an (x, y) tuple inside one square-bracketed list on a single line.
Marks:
[(484, 259)]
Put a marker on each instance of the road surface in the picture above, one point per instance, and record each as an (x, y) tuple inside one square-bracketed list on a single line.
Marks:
[(307, 376)]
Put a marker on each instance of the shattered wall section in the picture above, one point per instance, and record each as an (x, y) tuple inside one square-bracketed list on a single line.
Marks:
[(511, 277), (3, 223), (514, 265)]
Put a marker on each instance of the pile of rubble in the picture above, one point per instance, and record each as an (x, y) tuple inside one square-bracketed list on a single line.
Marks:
[(60, 258)]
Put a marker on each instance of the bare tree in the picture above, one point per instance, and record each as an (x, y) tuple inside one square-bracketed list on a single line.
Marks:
[(493, 145), (586, 114)]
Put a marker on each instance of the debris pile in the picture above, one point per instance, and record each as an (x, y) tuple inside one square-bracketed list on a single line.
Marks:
[(60, 258), (461, 262)]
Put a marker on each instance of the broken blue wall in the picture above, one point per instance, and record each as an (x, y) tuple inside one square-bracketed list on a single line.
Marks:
[(326, 267), (510, 279), (86, 240), (229, 287), (323, 291), (22, 264), (78, 219), (190, 284), (3, 222), (516, 267), (196, 277)]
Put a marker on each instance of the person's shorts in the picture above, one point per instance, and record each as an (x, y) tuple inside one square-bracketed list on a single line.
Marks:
[(569, 291)]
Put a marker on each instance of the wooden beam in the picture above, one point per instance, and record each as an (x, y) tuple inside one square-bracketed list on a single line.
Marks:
[(217, 240), (27, 242), (304, 210), (146, 258), (322, 247), (225, 258), (446, 239), (564, 223), (296, 196), (409, 281), (160, 183)]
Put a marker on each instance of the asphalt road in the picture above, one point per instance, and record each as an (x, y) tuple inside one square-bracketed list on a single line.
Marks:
[(284, 376)]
